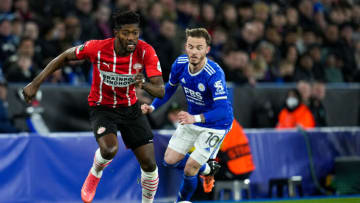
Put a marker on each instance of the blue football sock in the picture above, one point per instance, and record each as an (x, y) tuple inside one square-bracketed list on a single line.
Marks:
[(187, 188)]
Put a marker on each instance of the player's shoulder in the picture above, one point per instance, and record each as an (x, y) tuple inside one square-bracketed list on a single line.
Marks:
[(213, 68), (99, 43)]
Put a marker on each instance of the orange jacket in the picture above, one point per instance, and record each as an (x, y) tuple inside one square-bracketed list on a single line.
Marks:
[(237, 149), (301, 116)]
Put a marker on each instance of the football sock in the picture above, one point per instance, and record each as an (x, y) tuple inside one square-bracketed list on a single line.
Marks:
[(149, 183), (187, 188), (99, 164)]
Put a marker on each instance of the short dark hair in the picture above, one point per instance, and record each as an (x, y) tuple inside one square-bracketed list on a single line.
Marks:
[(123, 18), (199, 32)]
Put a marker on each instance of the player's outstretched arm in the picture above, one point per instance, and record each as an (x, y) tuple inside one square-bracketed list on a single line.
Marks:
[(30, 90), (155, 87)]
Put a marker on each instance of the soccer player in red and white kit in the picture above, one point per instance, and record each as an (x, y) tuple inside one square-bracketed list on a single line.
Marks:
[(118, 63)]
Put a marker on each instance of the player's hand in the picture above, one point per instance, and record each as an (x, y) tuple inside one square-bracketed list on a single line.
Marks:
[(139, 80), (29, 92), (145, 108), (185, 118)]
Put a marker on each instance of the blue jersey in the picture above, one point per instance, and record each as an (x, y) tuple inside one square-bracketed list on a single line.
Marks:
[(203, 90)]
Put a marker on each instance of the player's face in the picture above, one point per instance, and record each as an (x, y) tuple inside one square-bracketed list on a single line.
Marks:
[(196, 49), (128, 36)]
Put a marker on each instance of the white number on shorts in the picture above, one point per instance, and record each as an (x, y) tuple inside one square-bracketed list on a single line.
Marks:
[(212, 139)]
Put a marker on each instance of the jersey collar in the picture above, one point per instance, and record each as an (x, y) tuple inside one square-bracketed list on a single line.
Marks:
[(197, 73)]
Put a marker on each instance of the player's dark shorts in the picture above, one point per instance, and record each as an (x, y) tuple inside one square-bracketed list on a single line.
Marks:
[(133, 125)]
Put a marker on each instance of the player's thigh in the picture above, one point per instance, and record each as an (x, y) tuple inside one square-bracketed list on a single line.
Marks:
[(102, 121), (136, 132), (207, 145), (183, 139)]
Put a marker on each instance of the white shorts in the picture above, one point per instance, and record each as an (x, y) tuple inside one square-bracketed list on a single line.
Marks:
[(207, 141)]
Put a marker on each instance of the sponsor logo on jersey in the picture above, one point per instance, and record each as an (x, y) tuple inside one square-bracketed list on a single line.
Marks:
[(138, 66), (117, 80), (158, 66), (219, 87), (201, 87)]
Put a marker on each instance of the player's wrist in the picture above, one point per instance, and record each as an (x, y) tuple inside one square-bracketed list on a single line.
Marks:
[(152, 107), (197, 118)]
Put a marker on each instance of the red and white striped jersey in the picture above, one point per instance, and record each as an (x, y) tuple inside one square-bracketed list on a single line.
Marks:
[(113, 76)]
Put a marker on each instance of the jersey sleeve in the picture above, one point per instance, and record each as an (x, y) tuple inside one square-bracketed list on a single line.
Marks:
[(86, 51), (217, 86), (151, 62)]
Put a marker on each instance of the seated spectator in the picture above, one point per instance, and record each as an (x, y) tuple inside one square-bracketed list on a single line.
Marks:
[(295, 113), (23, 70), (304, 87), (304, 70), (333, 68), (316, 105), (5, 122), (286, 71)]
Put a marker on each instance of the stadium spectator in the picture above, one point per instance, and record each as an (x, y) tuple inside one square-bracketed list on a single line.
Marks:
[(304, 69), (6, 125), (102, 18), (236, 67), (244, 11), (165, 46), (21, 66), (7, 41), (295, 113), (316, 106), (83, 11), (333, 70), (304, 87)]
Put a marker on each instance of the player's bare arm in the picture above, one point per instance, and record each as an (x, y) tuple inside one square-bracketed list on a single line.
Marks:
[(30, 90), (155, 86)]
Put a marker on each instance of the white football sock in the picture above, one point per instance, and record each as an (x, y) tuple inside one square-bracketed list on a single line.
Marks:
[(99, 164), (149, 183)]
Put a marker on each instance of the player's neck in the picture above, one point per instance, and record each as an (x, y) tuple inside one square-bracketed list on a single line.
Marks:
[(198, 67), (118, 50)]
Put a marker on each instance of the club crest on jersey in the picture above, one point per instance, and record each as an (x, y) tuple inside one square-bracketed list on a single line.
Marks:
[(101, 130), (219, 87), (158, 66), (201, 87), (138, 66)]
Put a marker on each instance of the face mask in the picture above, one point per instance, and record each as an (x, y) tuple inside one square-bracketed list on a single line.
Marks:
[(292, 102)]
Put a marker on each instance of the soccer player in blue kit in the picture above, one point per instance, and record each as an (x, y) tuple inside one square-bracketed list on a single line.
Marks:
[(208, 119)]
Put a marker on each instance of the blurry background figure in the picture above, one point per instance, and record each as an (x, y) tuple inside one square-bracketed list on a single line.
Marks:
[(295, 113), (172, 120), (102, 18), (235, 155), (6, 125), (304, 87), (316, 105), (235, 158)]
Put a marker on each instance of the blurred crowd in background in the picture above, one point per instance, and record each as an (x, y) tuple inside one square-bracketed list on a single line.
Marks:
[(254, 41)]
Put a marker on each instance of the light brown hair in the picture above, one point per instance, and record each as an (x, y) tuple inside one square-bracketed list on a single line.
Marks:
[(199, 33)]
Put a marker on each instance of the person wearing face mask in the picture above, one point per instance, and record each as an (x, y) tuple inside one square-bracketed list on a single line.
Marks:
[(295, 113)]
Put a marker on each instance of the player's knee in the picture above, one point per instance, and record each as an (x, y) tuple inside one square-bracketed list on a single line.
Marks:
[(148, 166), (109, 152), (169, 161)]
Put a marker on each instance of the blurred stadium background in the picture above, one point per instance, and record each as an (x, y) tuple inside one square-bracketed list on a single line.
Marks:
[(265, 47)]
